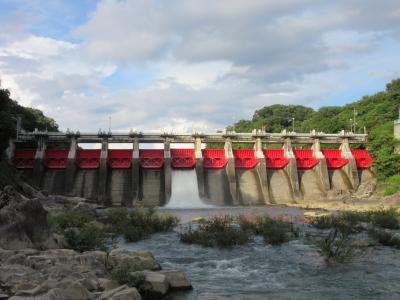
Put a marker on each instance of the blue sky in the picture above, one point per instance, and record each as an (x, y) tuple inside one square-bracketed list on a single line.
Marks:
[(184, 65)]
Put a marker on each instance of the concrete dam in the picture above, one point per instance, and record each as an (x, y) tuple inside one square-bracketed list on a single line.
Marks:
[(274, 168)]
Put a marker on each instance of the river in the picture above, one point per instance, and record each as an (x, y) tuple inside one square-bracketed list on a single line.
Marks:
[(294, 270)]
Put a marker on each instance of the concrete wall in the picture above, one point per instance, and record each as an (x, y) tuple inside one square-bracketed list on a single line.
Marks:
[(152, 187), (216, 187), (310, 185), (339, 182), (119, 187), (280, 188), (86, 184), (53, 181), (249, 188)]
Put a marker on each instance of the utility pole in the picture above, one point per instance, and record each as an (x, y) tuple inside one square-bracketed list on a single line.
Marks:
[(354, 119), (293, 124)]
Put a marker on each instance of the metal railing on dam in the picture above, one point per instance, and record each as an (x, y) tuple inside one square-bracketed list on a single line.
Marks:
[(300, 168)]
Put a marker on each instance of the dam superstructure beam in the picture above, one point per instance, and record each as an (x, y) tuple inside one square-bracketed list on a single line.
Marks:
[(291, 168), (71, 167), (268, 138), (321, 168), (261, 170), (230, 171), (38, 167), (351, 168), (103, 170), (199, 167)]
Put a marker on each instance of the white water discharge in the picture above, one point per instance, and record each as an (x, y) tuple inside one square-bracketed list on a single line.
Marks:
[(185, 192)]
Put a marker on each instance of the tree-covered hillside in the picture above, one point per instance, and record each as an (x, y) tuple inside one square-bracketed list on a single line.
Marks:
[(376, 113), (31, 119), (371, 111)]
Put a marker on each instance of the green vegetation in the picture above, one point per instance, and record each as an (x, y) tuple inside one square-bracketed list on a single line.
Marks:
[(385, 238), (80, 231), (274, 231), (137, 223), (376, 113), (336, 246), (86, 238), (216, 232), (228, 231), (393, 185), (388, 218), (351, 222), (126, 274), (31, 119)]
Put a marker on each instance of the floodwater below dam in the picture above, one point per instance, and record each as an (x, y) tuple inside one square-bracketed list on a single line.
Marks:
[(294, 270)]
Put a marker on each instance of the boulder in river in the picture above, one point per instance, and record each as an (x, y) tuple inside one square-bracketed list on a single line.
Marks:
[(23, 222)]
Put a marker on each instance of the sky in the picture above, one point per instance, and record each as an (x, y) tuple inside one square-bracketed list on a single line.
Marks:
[(187, 65)]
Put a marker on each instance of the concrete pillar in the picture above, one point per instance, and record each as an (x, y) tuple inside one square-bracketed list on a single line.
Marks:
[(351, 168), (199, 167), (103, 173), (10, 151), (71, 167), (322, 167), (291, 168), (135, 172), (167, 171), (38, 168), (230, 171), (261, 170)]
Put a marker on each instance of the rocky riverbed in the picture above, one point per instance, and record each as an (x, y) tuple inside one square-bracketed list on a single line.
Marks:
[(34, 265)]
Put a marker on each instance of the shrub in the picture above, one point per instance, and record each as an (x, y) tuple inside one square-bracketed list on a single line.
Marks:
[(88, 237), (216, 232), (346, 222), (67, 219), (388, 218), (274, 231), (138, 223), (126, 274), (336, 246), (385, 238)]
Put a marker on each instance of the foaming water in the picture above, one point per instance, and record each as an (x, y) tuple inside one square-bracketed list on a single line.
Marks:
[(185, 192), (294, 270)]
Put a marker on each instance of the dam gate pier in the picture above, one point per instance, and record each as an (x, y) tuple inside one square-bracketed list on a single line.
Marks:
[(276, 168)]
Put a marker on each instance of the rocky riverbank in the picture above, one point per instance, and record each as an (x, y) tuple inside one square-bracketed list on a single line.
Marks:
[(34, 265)]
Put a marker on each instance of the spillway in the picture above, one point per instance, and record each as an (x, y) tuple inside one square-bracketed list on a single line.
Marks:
[(185, 192)]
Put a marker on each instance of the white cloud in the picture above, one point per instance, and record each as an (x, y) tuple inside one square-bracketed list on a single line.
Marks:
[(209, 63)]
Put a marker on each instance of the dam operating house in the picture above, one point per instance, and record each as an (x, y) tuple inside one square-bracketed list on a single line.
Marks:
[(274, 167)]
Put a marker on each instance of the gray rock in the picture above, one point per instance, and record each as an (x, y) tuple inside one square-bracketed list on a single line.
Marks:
[(177, 280), (122, 292), (85, 208), (23, 223), (107, 284), (138, 260), (127, 294), (77, 291), (155, 284)]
